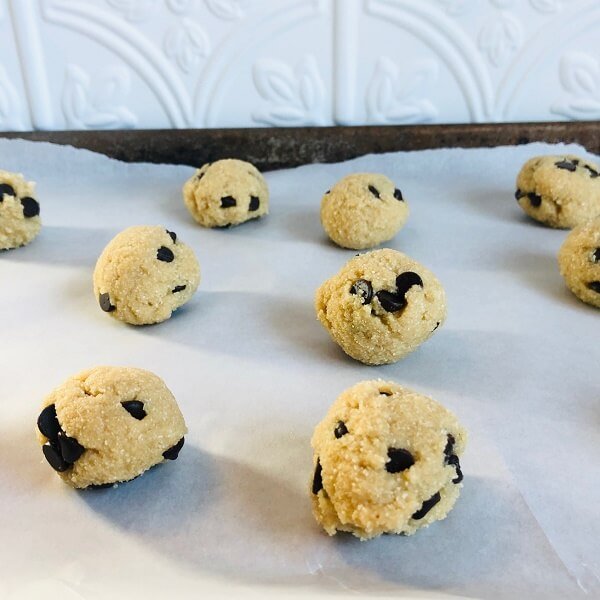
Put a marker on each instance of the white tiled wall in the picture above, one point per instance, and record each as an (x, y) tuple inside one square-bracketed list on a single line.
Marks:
[(76, 64)]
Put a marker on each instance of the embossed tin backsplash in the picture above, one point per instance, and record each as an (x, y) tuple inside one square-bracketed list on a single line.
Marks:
[(94, 64)]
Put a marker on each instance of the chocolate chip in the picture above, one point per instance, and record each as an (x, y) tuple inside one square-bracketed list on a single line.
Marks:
[(596, 255), (31, 207), (398, 195), (534, 199), (254, 203), (135, 408), (328, 192), (593, 172), (105, 305), (173, 452), (455, 462), (390, 302), (222, 226), (519, 194), (70, 448), (228, 202), (317, 484), (594, 286), (364, 289), (436, 326), (406, 280), (385, 392), (374, 191), (173, 236), (165, 254), (400, 460), (340, 430), (6, 189), (449, 444), (48, 423), (567, 165), (178, 288), (427, 506), (395, 301), (100, 486), (54, 458), (199, 176)]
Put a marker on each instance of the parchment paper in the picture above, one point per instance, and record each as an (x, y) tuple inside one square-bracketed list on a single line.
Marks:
[(518, 361)]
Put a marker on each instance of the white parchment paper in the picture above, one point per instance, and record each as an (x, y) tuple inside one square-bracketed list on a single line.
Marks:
[(518, 361)]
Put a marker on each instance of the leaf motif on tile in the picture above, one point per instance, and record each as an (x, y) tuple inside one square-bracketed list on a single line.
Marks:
[(500, 38), (179, 6), (456, 8), (10, 109), (186, 43), (579, 75), (135, 10), (95, 103), (293, 96), (546, 6), (225, 9), (396, 96)]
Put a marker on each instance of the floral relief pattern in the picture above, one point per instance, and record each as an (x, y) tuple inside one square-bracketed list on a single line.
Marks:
[(135, 10), (546, 6), (95, 103), (293, 96), (580, 79), (395, 96), (225, 9), (10, 109), (186, 43), (500, 38)]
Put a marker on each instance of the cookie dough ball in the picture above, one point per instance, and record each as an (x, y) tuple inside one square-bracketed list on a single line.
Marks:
[(579, 262), (362, 210), (144, 274), (19, 211), (226, 192), (109, 424), (560, 191), (386, 460), (381, 306)]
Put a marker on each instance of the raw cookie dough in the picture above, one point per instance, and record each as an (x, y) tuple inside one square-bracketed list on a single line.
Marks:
[(362, 210), (579, 262), (381, 306), (19, 211), (560, 191), (144, 274), (226, 192), (109, 424), (386, 460)]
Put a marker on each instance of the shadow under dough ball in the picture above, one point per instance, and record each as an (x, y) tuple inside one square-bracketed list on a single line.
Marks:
[(386, 460), (381, 306), (109, 424), (225, 193), (144, 274), (363, 210), (560, 191), (19, 211)]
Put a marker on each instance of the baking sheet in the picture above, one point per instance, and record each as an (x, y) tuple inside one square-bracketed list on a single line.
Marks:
[(253, 371)]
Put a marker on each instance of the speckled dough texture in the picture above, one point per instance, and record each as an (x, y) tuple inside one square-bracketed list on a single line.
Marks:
[(386, 460), (144, 274), (579, 262), (109, 424), (363, 210), (19, 211), (560, 191), (381, 306), (226, 192)]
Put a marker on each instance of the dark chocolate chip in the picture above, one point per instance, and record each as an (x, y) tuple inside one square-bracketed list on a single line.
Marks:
[(228, 202), (105, 305), (519, 194), (328, 192), (317, 484), (200, 176), (222, 226), (400, 460), (340, 430), (567, 164), (449, 445), (173, 452), (391, 302), (135, 408), (254, 203), (70, 448), (178, 288), (427, 506), (364, 289), (374, 191), (398, 195), (436, 326), (31, 207), (100, 486), (54, 458), (173, 236), (596, 255), (165, 254), (455, 462), (534, 199), (593, 172), (406, 280), (385, 392), (594, 286), (48, 423), (6, 189)]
